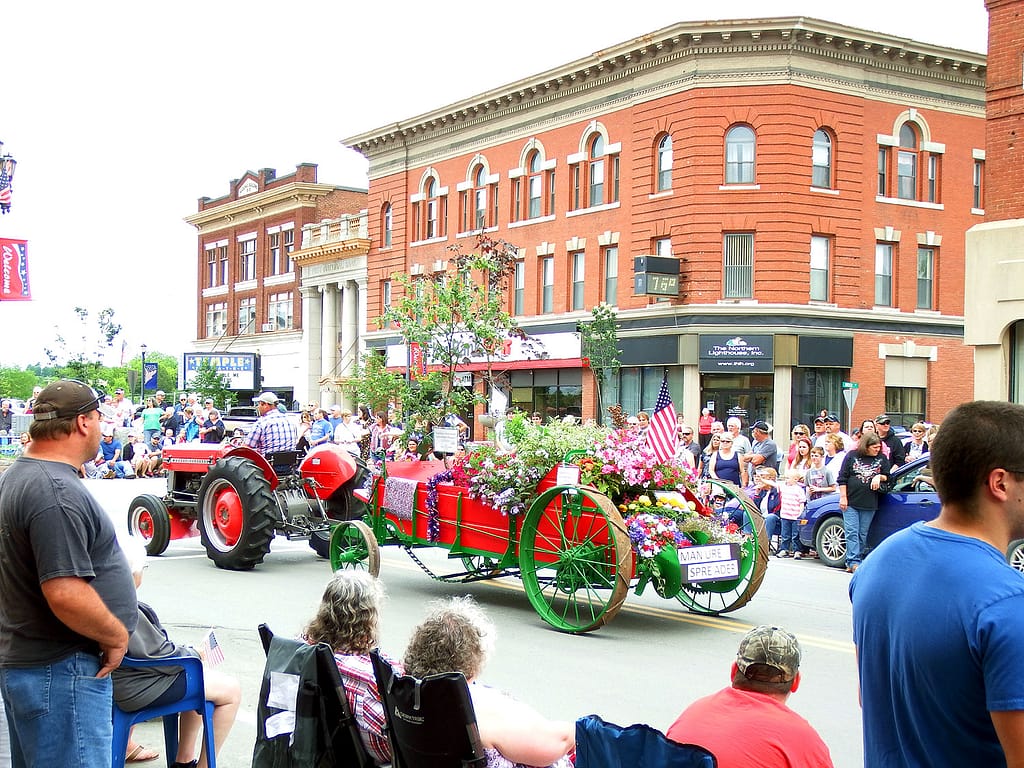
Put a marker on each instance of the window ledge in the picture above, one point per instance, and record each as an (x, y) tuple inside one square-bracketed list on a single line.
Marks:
[(594, 209), (659, 195), (825, 191), (739, 187), (429, 241), (473, 232), (216, 290), (744, 302), (246, 285), (828, 304), (282, 279), (886, 310), (978, 211), (928, 312), (527, 222), (909, 203)]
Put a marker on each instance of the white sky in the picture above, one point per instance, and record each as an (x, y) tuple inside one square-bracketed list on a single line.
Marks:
[(121, 115)]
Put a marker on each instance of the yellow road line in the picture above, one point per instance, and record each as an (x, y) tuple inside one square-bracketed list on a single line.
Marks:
[(696, 619)]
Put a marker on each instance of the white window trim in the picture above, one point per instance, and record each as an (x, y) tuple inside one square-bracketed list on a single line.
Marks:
[(246, 285), (741, 187), (977, 154), (217, 290), (910, 203), (282, 279), (289, 225), (418, 197), (659, 195), (825, 190), (978, 211), (274, 230), (221, 243), (429, 241), (463, 186), (473, 232), (578, 157), (527, 222), (246, 236), (593, 209), (516, 173)]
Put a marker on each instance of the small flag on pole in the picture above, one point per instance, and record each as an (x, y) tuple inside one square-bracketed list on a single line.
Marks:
[(662, 433)]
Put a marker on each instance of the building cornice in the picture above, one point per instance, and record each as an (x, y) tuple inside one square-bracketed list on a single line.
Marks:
[(344, 249), (259, 205), (891, 57)]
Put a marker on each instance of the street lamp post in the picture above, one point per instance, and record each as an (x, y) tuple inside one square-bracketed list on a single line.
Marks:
[(7, 166), (142, 386)]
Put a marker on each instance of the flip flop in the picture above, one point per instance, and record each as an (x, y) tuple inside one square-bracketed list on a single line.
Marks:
[(141, 754)]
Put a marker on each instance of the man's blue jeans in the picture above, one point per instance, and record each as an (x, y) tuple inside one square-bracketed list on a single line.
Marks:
[(856, 523), (59, 713)]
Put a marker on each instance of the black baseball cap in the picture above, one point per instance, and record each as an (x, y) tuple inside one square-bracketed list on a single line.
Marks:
[(832, 417)]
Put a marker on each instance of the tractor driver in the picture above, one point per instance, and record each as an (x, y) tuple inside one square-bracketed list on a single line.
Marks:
[(273, 432)]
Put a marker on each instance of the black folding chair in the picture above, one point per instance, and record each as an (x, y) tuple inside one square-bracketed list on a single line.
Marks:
[(607, 745), (303, 718), (431, 722)]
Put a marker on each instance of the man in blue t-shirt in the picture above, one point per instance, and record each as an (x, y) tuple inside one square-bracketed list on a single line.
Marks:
[(938, 614)]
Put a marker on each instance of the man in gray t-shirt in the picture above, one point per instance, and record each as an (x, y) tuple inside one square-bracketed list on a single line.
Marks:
[(67, 600)]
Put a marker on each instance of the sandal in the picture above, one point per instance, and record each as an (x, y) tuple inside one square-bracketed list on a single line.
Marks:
[(141, 754)]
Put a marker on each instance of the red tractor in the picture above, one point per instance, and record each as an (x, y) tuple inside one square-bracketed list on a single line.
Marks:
[(238, 500)]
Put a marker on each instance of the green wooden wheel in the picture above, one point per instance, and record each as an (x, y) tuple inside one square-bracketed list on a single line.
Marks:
[(353, 545), (714, 597), (575, 558)]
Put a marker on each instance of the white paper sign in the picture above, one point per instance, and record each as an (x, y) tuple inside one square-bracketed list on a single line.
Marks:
[(446, 439)]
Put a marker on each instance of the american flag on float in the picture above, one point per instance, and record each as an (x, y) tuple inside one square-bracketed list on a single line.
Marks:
[(210, 650), (5, 190), (661, 434)]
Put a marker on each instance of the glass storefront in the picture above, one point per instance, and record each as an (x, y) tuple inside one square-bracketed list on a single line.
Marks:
[(554, 393), (814, 390), (750, 397)]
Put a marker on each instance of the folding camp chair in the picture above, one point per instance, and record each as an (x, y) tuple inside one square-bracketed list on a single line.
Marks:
[(606, 745), (303, 719), (431, 722)]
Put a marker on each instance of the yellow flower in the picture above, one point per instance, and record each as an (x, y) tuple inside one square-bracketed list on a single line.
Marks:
[(643, 500)]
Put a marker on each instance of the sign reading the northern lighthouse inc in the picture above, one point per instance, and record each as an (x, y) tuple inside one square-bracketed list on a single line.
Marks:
[(737, 354)]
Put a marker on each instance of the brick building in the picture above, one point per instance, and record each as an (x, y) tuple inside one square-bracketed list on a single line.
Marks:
[(809, 183), (249, 299), (994, 316)]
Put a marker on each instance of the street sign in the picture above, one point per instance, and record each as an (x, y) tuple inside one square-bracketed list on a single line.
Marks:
[(850, 390), (851, 385)]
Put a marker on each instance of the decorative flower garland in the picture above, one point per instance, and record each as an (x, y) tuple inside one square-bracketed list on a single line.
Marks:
[(433, 518)]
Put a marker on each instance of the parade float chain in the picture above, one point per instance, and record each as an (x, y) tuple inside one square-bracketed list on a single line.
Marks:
[(581, 514)]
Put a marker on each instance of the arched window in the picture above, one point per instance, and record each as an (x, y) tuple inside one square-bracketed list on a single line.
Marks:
[(387, 221), (663, 181), (595, 171), (479, 198), (739, 155), (430, 193), (535, 186), (906, 163), (821, 160)]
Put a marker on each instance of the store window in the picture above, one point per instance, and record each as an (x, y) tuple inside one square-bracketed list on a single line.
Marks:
[(814, 390), (739, 155), (554, 394), (821, 160), (905, 405), (638, 386), (664, 164)]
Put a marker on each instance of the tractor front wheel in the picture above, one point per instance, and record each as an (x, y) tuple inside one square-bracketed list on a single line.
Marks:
[(237, 514), (149, 520)]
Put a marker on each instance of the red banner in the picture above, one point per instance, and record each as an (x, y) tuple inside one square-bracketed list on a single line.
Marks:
[(14, 270), (417, 362)]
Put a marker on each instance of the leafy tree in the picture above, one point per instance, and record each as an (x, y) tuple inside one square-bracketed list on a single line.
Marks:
[(82, 358), (15, 382), (600, 343), (209, 383), (456, 315)]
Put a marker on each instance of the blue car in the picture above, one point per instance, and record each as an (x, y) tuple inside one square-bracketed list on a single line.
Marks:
[(910, 498)]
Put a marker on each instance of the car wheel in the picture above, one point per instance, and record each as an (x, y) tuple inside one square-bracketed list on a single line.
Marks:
[(830, 542), (1015, 554)]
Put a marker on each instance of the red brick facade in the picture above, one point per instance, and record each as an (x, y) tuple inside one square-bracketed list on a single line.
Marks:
[(786, 80)]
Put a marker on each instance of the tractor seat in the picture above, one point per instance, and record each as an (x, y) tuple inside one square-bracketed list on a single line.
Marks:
[(283, 462)]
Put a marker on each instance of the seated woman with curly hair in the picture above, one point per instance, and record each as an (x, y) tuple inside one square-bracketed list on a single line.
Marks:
[(456, 636), (348, 620)]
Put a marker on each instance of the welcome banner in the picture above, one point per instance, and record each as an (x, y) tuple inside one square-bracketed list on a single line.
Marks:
[(14, 270)]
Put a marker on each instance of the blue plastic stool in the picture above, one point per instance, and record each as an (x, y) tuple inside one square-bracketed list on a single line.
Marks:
[(193, 700)]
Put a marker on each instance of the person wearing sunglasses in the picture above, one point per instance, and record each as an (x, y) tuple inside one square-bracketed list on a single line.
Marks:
[(918, 445), (67, 599)]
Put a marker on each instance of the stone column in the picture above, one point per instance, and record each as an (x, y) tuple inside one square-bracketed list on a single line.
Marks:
[(312, 323), (329, 336), (360, 297), (349, 329)]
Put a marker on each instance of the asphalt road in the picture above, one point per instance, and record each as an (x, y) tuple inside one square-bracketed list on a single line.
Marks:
[(646, 666)]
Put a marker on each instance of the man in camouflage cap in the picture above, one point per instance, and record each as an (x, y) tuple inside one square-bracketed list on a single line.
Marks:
[(749, 723)]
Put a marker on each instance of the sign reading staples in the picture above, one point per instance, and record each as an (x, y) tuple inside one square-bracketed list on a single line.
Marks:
[(737, 354), (241, 369), (710, 563), (14, 270)]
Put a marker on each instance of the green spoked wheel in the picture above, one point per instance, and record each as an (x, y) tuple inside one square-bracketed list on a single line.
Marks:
[(575, 558), (714, 597), (353, 545)]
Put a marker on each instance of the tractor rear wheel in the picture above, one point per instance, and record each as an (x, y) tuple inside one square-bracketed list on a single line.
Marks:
[(149, 520), (237, 514)]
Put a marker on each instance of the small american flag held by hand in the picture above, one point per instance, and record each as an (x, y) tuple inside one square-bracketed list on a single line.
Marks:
[(661, 434), (211, 650)]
